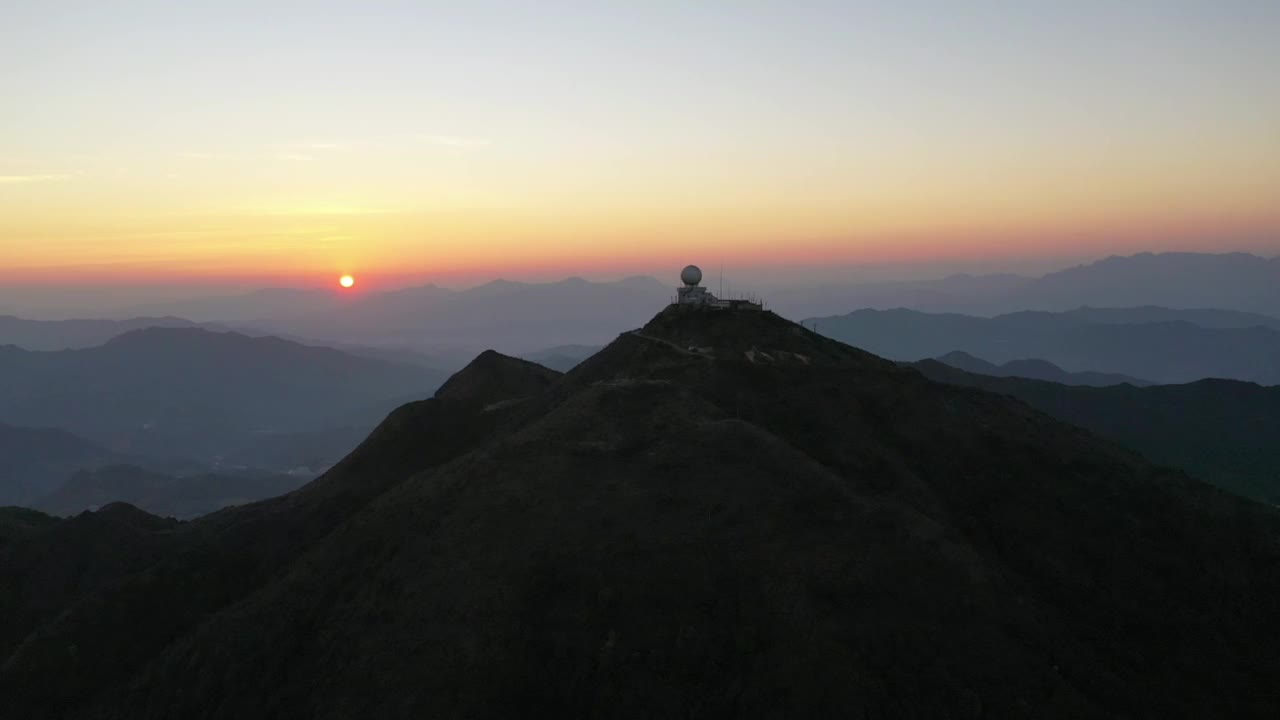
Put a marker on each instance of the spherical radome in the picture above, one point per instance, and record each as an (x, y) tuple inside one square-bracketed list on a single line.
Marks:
[(691, 275)]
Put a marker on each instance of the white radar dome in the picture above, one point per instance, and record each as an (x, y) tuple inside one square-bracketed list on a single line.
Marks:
[(691, 275)]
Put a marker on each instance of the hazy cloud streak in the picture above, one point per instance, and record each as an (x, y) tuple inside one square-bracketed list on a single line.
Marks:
[(25, 179)]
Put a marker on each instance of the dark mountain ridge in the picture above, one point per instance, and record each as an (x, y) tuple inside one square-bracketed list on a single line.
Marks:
[(1221, 431), (493, 377), (19, 522), (720, 514)]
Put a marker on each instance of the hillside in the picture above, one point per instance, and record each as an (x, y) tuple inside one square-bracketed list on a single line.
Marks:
[(721, 514), (1221, 431), (196, 394), (1159, 351), (493, 378)]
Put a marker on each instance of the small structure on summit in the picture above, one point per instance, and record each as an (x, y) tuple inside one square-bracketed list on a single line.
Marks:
[(694, 295)]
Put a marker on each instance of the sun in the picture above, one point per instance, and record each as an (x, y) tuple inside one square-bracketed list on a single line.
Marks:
[(346, 281)]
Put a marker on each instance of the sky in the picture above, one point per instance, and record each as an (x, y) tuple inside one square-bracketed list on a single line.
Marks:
[(291, 142)]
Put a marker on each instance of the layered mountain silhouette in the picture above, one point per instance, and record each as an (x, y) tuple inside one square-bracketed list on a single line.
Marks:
[(1172, 349), (163, 494), (86, 333), (1221, 431), (522, 317), (720, 514), (969, 293), (1230, 281), (1035, 370), (34, 461), (77, 334), (192, 393), (1206, 318)]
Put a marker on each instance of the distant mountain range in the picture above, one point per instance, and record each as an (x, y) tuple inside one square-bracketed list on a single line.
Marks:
[(1226, 319), (195, 394), (1222, 431), (1157, 344), (1036, 370), (523, 318), (162, 494), (771, 523), (46, 335), (1232, 281), (77, 334), (517, 317)]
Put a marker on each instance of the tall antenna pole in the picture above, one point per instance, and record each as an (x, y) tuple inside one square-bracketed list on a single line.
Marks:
[(721, 291)]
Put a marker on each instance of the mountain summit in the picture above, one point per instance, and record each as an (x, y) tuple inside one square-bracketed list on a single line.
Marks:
[(719, 514)]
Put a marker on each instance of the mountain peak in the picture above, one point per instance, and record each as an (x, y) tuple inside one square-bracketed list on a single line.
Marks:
[(968, 362), (754, 335), (682, 343), (493, 377)]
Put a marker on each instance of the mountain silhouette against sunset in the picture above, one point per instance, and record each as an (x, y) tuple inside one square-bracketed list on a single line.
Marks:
[(721, 510), (694, 360)]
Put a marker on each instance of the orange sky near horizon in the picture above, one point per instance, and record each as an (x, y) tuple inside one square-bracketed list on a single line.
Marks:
[(169, 144), (313, 246)]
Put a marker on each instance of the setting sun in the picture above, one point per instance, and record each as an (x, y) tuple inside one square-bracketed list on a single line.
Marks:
[(346, 281)]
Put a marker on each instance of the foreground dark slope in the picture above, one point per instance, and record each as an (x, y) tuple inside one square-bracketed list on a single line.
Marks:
[(123, 599), (767, 524)]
